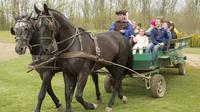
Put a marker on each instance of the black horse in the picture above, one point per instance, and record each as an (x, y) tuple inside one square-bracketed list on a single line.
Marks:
[(54, 26), (28, 36)]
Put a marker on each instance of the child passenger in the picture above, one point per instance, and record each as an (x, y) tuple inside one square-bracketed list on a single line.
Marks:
[(141, 41)]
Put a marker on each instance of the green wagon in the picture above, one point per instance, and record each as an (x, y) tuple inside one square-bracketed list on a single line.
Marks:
[(152, 78)]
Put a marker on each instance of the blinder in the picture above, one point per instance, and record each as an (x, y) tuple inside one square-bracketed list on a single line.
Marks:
[(51, 25), (12, 31), (50, 19)]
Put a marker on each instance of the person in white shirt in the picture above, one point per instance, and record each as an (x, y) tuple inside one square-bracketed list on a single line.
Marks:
[(141, 41)]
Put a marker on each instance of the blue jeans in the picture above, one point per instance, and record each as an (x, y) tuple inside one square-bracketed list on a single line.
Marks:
[(154, 51)]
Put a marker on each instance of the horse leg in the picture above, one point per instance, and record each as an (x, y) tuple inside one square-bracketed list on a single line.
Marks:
[(120, 94), (74, 81), (82, 79), (52, 94), (68, 90), (112, 99), (96, 82), (47, 76), (117, 74)]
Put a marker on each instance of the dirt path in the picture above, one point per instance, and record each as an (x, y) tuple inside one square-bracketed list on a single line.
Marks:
[(193, 60), (7, 51)]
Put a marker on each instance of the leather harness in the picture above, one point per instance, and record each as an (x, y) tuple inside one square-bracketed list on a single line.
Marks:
[(86, 55), (73, 54)]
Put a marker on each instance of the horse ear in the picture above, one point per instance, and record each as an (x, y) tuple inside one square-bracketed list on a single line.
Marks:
[(29, 16), (12, 31), (37, 10), (46, 10), (15, 16)]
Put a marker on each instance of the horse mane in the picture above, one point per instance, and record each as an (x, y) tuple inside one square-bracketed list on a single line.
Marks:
[(64, 17), (66, 22), (82, 29)]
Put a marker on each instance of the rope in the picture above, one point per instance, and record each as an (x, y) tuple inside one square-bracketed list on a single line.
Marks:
[(41, 64), (115, 64)]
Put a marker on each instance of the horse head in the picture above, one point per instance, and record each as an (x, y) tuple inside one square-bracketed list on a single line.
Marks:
[(22, 30), (47, 27)]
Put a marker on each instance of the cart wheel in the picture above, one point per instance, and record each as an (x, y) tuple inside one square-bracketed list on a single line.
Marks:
[(181, 69), (108, 84), (158, 86)]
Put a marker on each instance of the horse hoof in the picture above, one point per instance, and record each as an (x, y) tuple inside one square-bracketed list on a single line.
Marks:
[(60, 109), (99, 101), (95, 106), (108, 109), (124, 99)]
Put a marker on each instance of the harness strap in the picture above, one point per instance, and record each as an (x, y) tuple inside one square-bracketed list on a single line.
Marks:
[(46, 38), (46, 67), (96, 45), (79, 54), (31, 68), (79, 38), (98, 52)]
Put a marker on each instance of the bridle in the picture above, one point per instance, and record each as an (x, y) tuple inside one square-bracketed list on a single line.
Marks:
[(57, 53), (52, 24), (31, 27)]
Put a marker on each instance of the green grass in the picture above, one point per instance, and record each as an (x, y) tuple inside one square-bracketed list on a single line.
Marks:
[(192, 50), (18, 91), (5, 36)]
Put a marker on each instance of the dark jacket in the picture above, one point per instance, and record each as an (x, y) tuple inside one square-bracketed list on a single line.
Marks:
[(159, 36)]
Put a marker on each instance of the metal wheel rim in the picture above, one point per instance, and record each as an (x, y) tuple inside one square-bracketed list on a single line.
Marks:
[(160, 88)]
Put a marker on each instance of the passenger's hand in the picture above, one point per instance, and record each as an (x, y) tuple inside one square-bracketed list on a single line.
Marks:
[(122, 31), (161, 44), (132, 36), (134, 39)]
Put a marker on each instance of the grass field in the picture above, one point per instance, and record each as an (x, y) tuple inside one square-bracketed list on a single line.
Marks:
[(18, 91), (5, 36)]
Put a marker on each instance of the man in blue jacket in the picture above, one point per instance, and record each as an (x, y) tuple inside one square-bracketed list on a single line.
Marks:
[(160, 39), (122, 25)]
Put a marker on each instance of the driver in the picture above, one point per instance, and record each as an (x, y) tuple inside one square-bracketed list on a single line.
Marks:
[(122, 24)]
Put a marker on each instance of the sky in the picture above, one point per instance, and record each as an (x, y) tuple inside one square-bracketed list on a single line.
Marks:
[(180, 4)]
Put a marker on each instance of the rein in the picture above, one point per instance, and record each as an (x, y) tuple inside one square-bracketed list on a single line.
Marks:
[(77, 34)]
